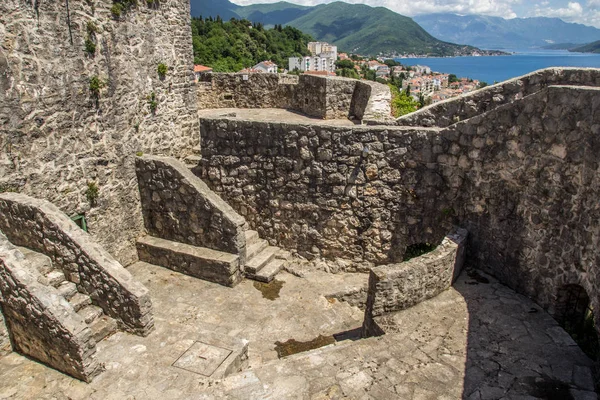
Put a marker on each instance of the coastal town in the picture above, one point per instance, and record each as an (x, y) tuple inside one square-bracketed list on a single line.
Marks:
[(419, 81)]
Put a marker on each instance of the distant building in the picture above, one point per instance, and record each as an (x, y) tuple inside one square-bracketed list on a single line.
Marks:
[(422, 69), (200, 69), (323, 57), (374, 65), (266, 66), (383, 72)]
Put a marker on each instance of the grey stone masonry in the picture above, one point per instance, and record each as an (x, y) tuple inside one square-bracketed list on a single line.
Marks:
[(521, 178), (5, 347), (396, 287), (199, 262), (451, 111), (41, 323), (40, 226), (316, 96), (178, 206), (69, 116)]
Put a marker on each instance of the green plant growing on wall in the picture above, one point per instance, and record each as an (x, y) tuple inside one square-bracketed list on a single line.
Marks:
[(139, 153), (91, 28), (162, 70), (448, 212), (152, 102), (91, 193), (90, 46), (96, 84), (122, 6)]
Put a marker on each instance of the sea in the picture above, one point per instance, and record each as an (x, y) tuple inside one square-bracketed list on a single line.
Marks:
[(491, 69)]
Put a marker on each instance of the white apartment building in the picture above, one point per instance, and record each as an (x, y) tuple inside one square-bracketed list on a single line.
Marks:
[(323, 58)]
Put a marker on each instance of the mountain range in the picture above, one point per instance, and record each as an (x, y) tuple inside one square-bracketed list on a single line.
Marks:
[(354, 28), (499, 33)]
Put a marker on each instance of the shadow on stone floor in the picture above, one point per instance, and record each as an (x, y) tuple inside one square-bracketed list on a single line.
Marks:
[(515, 350)]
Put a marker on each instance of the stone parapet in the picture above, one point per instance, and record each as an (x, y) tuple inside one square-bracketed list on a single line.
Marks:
[(42, 227), (41, 323), (396, 287), (316, 96), (451, 111)]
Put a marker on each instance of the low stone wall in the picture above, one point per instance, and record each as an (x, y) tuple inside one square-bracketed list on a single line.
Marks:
[(40, 226), (221, 90), (178, 206), (317, 96), (399, 286), (446, 113), (41, 323)]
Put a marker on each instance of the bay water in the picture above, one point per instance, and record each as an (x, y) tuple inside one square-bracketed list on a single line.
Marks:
[(492, 69)]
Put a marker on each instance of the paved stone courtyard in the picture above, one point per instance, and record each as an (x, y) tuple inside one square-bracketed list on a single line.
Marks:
[(475, 341), (271, 114)]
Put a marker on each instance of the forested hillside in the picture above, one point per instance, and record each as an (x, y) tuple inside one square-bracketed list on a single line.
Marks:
[(236, 44)]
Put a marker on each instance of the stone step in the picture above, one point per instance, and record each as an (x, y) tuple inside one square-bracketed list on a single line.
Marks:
[(79, 301), (260, 260), (103, 327), (251, 238), (255, 248), (268, 272), (40, 261), (67, 290), (90, 313), (283, 255), (56, 278), (199, 262)]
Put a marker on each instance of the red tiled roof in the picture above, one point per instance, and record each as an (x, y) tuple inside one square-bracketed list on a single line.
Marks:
[(202, 68)]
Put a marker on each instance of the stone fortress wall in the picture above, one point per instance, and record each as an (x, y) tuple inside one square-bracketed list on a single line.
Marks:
[(522, 178), (316, 96), (55, 137)]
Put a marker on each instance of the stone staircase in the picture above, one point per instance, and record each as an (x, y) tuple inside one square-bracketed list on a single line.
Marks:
[(192, 230), (263, 262), (100, 324)]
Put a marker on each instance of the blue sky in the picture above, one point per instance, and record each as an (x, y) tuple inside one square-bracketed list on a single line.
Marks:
[(582, 11)]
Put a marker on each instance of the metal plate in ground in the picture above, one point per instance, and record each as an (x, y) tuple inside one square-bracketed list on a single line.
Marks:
[(202, 358)]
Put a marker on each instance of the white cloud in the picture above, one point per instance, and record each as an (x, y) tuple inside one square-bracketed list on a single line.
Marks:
[(573, 12), (500, 8)]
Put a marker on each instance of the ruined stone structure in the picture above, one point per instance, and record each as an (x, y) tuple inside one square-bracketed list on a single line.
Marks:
[(327, 98), (517, 177), (88, 123)]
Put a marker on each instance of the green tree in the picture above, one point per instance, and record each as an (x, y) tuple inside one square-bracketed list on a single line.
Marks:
[(402, 102)]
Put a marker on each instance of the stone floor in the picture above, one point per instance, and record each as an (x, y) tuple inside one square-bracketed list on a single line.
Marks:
[(474, 341), (271, 114)]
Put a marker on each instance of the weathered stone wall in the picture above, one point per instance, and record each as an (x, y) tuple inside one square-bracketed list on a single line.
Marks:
[(522, 179), (5, 346), (529, 189), (359, 193), (446, 113), (55, 137), (180, 207), (395, 287), (317, 96), (221, 90), (40, 226), (41, 323)]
